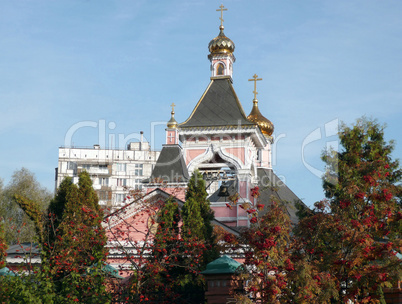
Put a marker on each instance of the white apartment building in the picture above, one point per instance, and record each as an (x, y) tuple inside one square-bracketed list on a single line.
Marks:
[(113, 172)]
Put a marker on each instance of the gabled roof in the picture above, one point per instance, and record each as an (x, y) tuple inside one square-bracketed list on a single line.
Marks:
[(218, 106), (132, 208), (135, 207), (170, 166), (272, 187)]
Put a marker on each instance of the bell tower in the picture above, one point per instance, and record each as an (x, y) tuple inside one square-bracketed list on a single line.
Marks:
[(221, 52), (172, 137)]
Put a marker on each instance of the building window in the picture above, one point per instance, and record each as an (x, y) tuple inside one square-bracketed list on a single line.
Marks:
[(259, 155), (120, 197), (219, 69), (104, 181), (71, 165), (121, 167), (138, 170), (86, 166), (138, 184), (122, 182), (103, 195)]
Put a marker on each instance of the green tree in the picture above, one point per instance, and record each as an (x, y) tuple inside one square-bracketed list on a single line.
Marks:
[(168, 224), (193, 223), (18, 226), (355, 234), (198, 216)]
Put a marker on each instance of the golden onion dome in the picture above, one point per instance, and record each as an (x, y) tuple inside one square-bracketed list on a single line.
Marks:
[(172, 123), (221, 44), (266, 126)]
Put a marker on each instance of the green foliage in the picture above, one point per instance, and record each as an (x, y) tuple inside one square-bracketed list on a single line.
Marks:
[(198, 216), (168, 223), (193, 224), (32, 289), (33, 212), (18, 226), (59, 202)]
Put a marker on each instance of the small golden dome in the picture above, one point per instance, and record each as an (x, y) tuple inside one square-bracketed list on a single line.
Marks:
[(266, 126), (221, 44), (172, 123)]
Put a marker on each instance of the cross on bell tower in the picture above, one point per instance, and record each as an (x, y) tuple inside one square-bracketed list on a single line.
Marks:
[(221, 52), (221, 8)]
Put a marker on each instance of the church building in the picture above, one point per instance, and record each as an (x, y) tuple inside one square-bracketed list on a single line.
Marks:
[(230, 149)]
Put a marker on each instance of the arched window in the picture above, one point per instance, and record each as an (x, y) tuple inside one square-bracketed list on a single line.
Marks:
[(219, 69)]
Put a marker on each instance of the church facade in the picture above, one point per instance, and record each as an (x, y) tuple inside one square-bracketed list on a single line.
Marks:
[(230, 149)]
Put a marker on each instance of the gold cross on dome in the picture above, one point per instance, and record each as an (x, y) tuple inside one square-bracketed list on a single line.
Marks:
[(221, 8), (173, 105), (255, 79)]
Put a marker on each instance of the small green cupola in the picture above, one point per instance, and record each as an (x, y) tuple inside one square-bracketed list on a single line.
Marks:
[(221, 266), (222, 280)]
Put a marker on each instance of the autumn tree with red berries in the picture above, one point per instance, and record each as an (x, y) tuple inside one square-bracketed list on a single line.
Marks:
[(73, 242), (355, 234), (343, 250)]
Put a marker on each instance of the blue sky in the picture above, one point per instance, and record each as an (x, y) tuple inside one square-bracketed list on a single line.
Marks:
[(68, 63)]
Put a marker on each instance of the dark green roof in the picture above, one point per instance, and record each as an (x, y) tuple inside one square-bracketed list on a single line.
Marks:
[(219, 106), (170, 166), (107, 269), (6, 272), (111, 271), (221, 266)]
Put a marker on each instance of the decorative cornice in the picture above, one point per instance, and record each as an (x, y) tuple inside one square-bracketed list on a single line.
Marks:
[(211, 129), (221, 77), (254, 132)]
